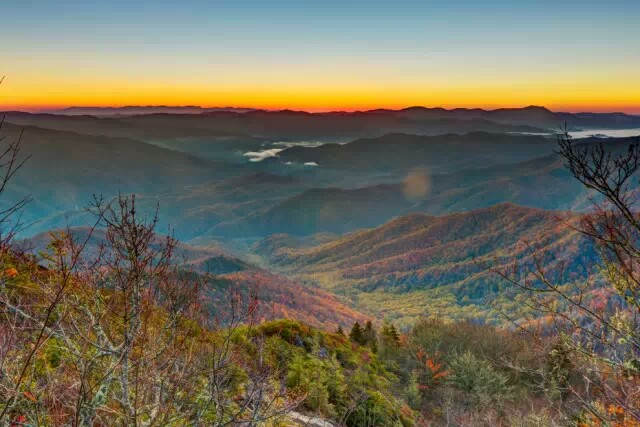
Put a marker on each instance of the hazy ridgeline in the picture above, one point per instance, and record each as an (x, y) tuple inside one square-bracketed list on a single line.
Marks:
[(432, 267)]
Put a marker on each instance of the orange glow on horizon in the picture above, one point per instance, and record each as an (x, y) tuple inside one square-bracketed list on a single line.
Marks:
[(315, 89), (33, 94), (576, 108)]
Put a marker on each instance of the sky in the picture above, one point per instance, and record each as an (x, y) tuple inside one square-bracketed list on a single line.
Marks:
[(567, 55)]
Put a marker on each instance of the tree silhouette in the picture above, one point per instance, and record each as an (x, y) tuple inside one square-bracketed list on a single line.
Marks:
[(597, 321), (356, 334)]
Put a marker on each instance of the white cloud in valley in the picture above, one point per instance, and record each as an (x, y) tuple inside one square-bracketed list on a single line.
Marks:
[(258, 156)]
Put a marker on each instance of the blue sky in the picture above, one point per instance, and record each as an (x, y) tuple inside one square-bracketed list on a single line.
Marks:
[(350, 47)]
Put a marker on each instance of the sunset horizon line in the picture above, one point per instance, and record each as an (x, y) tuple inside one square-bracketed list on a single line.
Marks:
[(43, 109)]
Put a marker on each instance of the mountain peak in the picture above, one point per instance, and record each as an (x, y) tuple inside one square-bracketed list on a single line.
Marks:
[(537, 108)]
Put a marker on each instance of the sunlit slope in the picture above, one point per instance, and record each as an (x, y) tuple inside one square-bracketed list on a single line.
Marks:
[(418, 263)]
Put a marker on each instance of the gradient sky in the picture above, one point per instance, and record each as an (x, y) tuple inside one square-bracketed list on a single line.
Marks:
[(564, 54)]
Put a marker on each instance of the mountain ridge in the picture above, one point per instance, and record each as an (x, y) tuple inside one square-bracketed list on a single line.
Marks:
[(198, 108), (278, 296), (418, 260)]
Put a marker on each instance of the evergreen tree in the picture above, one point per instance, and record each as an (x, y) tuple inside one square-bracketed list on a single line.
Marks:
[(559, 366), (389, 341), (357, 335), (369, 336), (390, 335), (340, 331), (393, 332), (479, 379), (412, 391)]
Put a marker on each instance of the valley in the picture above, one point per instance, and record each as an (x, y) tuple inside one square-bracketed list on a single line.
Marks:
[(395, 225), (374, 260), (319, 214)]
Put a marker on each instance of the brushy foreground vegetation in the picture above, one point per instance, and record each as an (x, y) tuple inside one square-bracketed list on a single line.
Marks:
[(125, 337), (84, 344)]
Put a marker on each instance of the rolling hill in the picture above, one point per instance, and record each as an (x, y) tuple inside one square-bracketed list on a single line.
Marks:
[(202, 197), (66, 169), (191, 211), (135, 110), (439, 154), (333, 210), (532, 115), (164, 122), (265, 124), (278, 296), (541, 182), (419, 263)]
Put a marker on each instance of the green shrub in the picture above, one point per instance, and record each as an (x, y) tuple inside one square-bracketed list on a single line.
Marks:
[(479, 380)]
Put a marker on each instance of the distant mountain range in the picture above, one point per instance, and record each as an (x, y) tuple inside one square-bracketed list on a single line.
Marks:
[(66, 169), (134, 110), (391, 211), (262, 124), (440, 153), (360, 184), (540, 182), (534, 116)]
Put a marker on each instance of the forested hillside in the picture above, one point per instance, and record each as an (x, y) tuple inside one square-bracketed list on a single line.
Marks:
[(384, 286), (437, 264), (319, 213)]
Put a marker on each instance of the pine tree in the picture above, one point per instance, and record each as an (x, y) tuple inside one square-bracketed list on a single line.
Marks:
[(356, 335), (559, 366), (390, 335), (413, 391), (369, 337), (340, 331), (389, 341), (394, 334)]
